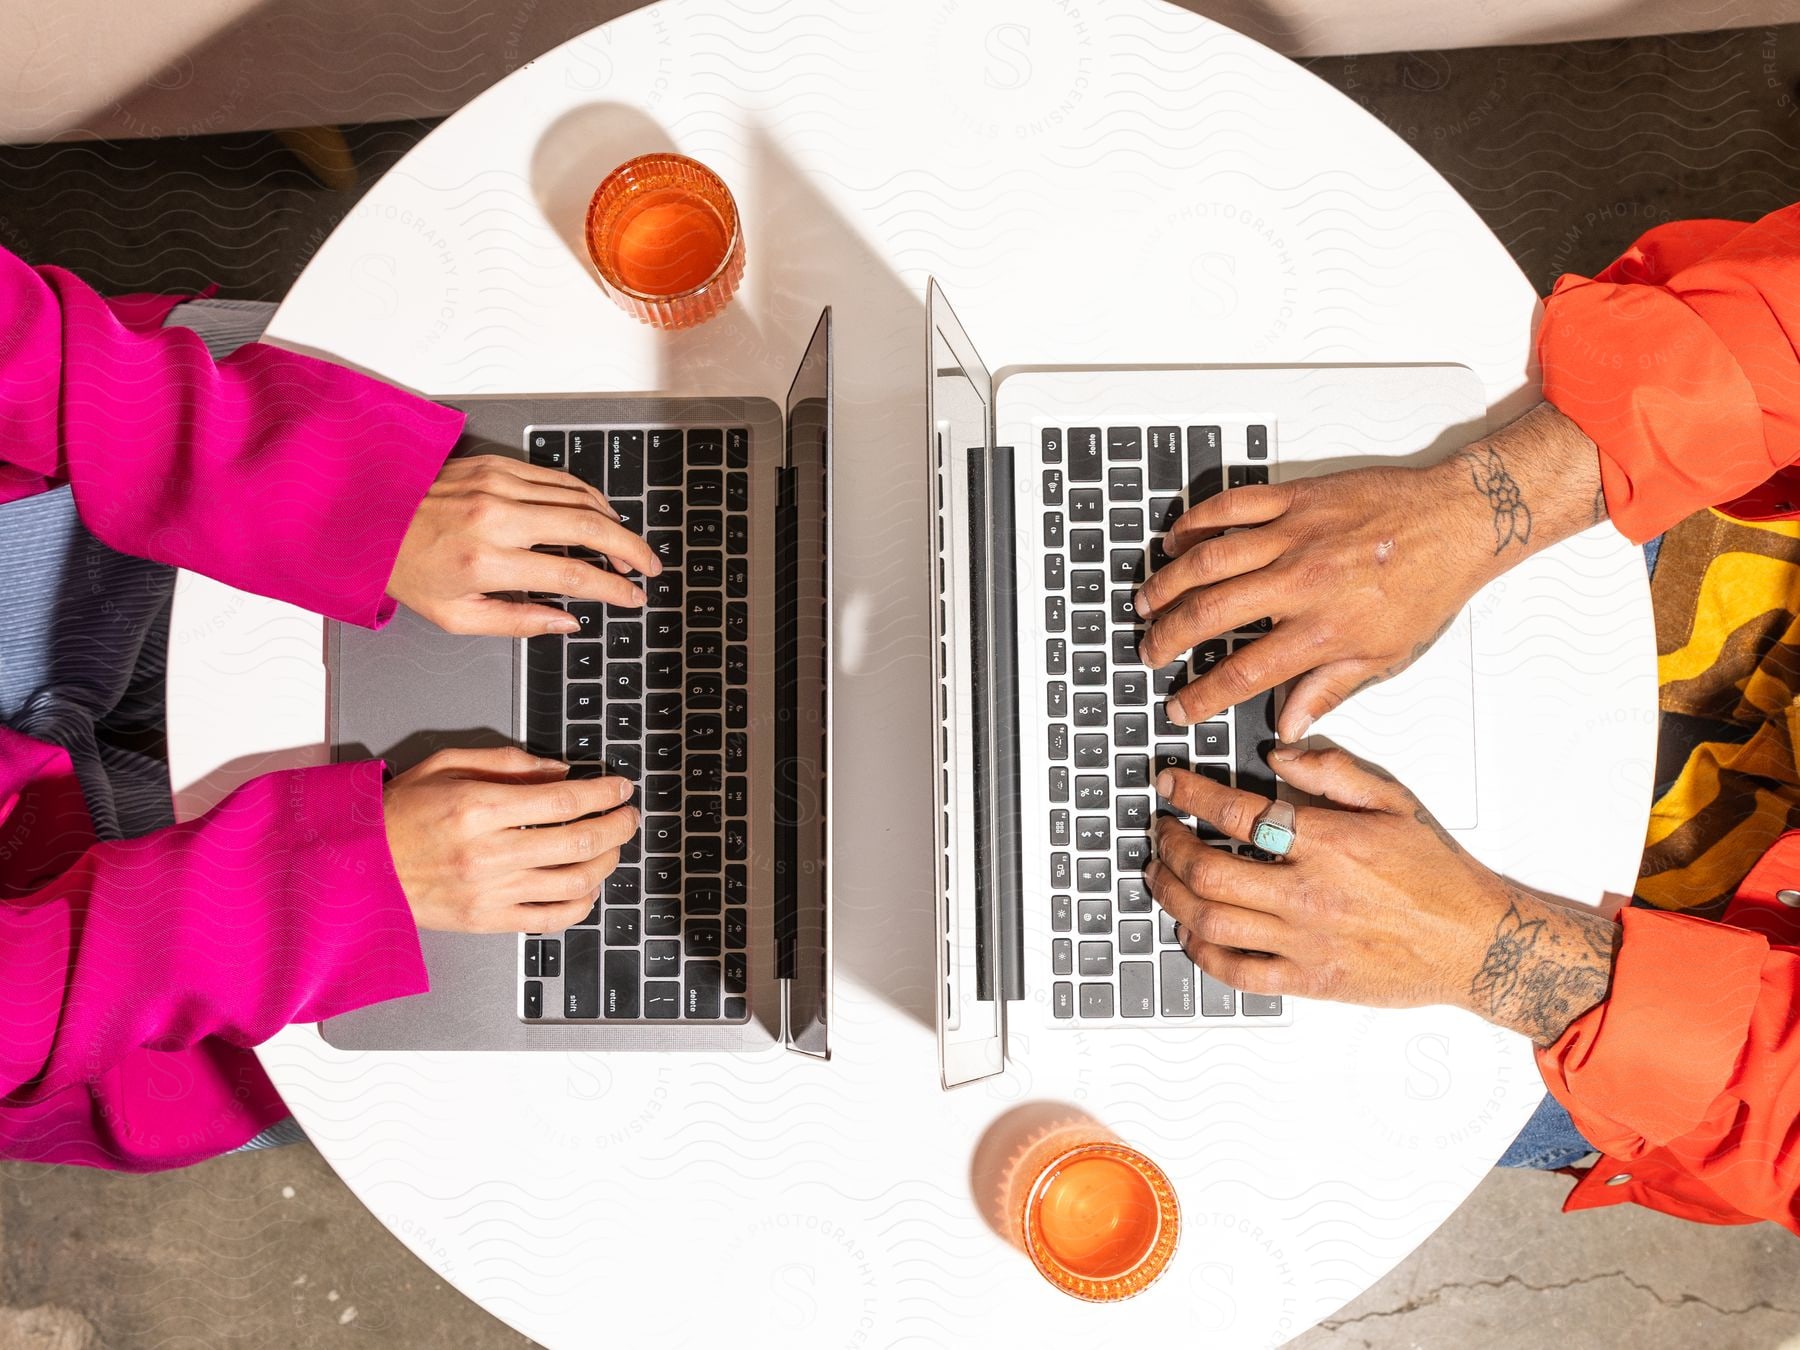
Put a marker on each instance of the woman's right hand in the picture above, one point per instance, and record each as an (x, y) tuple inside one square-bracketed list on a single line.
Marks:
[(453, 828)]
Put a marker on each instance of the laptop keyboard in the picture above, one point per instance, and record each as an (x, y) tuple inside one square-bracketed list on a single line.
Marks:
[(1109, 496), (661, 696)]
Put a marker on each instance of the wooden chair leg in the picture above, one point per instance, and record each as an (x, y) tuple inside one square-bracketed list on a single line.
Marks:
[(325, 153)]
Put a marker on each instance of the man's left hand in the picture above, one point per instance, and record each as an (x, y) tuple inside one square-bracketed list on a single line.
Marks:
[(1375, 904)]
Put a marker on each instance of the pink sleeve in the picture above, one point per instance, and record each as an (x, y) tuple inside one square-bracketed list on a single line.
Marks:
[(271, 471), (279, 905)]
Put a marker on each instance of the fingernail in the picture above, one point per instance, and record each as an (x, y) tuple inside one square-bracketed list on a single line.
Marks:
[(637, 595), (1178, 715), (566, 624), (1165, 782), (1137, 603), (1151, 873), (552, 766), (1284, 753), (624, 789)]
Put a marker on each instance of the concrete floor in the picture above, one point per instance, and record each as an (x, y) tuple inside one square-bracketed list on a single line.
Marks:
[(1567, 152)]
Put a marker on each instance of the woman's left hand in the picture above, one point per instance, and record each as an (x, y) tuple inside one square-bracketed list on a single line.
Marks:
[(476, 533), (1375, 904)]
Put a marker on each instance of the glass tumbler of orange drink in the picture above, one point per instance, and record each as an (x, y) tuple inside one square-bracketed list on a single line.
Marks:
[(664, 234)]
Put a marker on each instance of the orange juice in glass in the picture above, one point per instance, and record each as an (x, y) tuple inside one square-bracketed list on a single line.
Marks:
[(663, 233), (1098, 1218)]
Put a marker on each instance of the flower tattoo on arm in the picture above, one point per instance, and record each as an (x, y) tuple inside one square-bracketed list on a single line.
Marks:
[(1512, 517)]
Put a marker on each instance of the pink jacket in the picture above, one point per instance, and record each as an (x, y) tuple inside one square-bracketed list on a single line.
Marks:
[(135, 975)]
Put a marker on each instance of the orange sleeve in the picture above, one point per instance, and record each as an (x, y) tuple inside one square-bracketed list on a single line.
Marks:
[(1694, 1054), (1679, 361)]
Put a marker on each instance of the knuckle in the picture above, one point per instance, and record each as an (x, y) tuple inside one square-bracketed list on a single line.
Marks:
[(572, 575), (562, 803), (582, 845), (1240, 677)]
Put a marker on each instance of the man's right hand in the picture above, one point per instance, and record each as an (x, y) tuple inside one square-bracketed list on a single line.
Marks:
[(1361, 571), (453, 828)]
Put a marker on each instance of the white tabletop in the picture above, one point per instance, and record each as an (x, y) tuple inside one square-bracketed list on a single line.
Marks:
[(1092, 185)]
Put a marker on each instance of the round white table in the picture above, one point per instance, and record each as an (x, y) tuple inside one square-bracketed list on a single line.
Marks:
[(1093, 185)]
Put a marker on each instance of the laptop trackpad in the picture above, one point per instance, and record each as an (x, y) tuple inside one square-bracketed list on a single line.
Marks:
[(412, 689), (1420, 727)]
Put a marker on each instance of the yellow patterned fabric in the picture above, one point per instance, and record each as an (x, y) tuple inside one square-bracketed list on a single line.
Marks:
[(1727, 599)]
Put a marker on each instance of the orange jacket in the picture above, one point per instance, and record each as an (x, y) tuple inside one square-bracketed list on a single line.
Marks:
[(1682, 362)]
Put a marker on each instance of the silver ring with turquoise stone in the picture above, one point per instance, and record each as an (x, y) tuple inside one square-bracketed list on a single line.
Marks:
[(1274, 829)]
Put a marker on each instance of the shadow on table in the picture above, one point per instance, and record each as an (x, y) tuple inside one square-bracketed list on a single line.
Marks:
[(801, 255)]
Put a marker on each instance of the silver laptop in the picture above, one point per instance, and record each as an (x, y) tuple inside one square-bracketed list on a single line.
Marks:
[(715, 930), (1052, 489)]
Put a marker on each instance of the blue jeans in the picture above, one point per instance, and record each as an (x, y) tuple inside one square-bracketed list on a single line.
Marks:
[(1548, 1141)]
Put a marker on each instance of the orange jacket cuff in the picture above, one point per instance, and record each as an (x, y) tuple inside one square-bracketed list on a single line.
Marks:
[(1677, 422), (1647, 1064)]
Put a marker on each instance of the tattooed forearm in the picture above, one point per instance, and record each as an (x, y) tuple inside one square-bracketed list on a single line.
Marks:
[(1544, 967), (1506, 499)]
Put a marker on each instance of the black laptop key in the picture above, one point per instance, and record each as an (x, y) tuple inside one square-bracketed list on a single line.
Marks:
[(1133, 896), (1137, 994), (705, 690), (624, 680), (1093, 876), (700, 989), (737, 707), (663, 451), (1125, 643), (737, 840), (1131, 730), (706, 449), (1165, 459), (662, 960), (705, 651), (631, 516), (662, 510), (587, 456), (1133, 812), (737, 665), (1090, 709), (1164, 512), (737, 578), (737, 621), (1056, 657), (1125, 525), (1205, 459), (705, 732), (1053, 529), (1124, 608), (1125, 485), (625, 464), (581, 975), (1093, 833), (584, 660), (1062, 1001), (706, 487), (1096, 1000), (1089, 628), (1124, 443), (702, 895), (663, 631), (1059, 741), (662, 1000), (1053, 572), (705, 609), (624, 721), (1256, 442), (705, 813), (706, 568), (1086, 506), (1090, 752), (534, 958), (1260, 1005), (737, 928), (661, 792), (1052, 441), (662, 917), (737, 972), (1248, 475), (1059, 829), (625, 638), (1087, 455), (624, 985), (1087, 546), (1126, 566), (583, 702), (1173, 755), (1055, 614), (1132, 854), (666, 545), (1087, 586), (662, 834), (1178, 981), (1217, 999), (1255, 738), (623, 887), (1095, 958), (737, 447), (1053, 487), (1132, 771), (662, 875), (623, 927), (548, 449), (737, 535), (583, 740), (705, 529), (1092, 791), (552, 958), (703, 937), (702, 856), (1059, 784), (534, 999)]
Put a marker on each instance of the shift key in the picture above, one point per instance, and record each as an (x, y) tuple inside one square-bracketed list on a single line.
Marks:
[(624, 979), (581, 973)]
